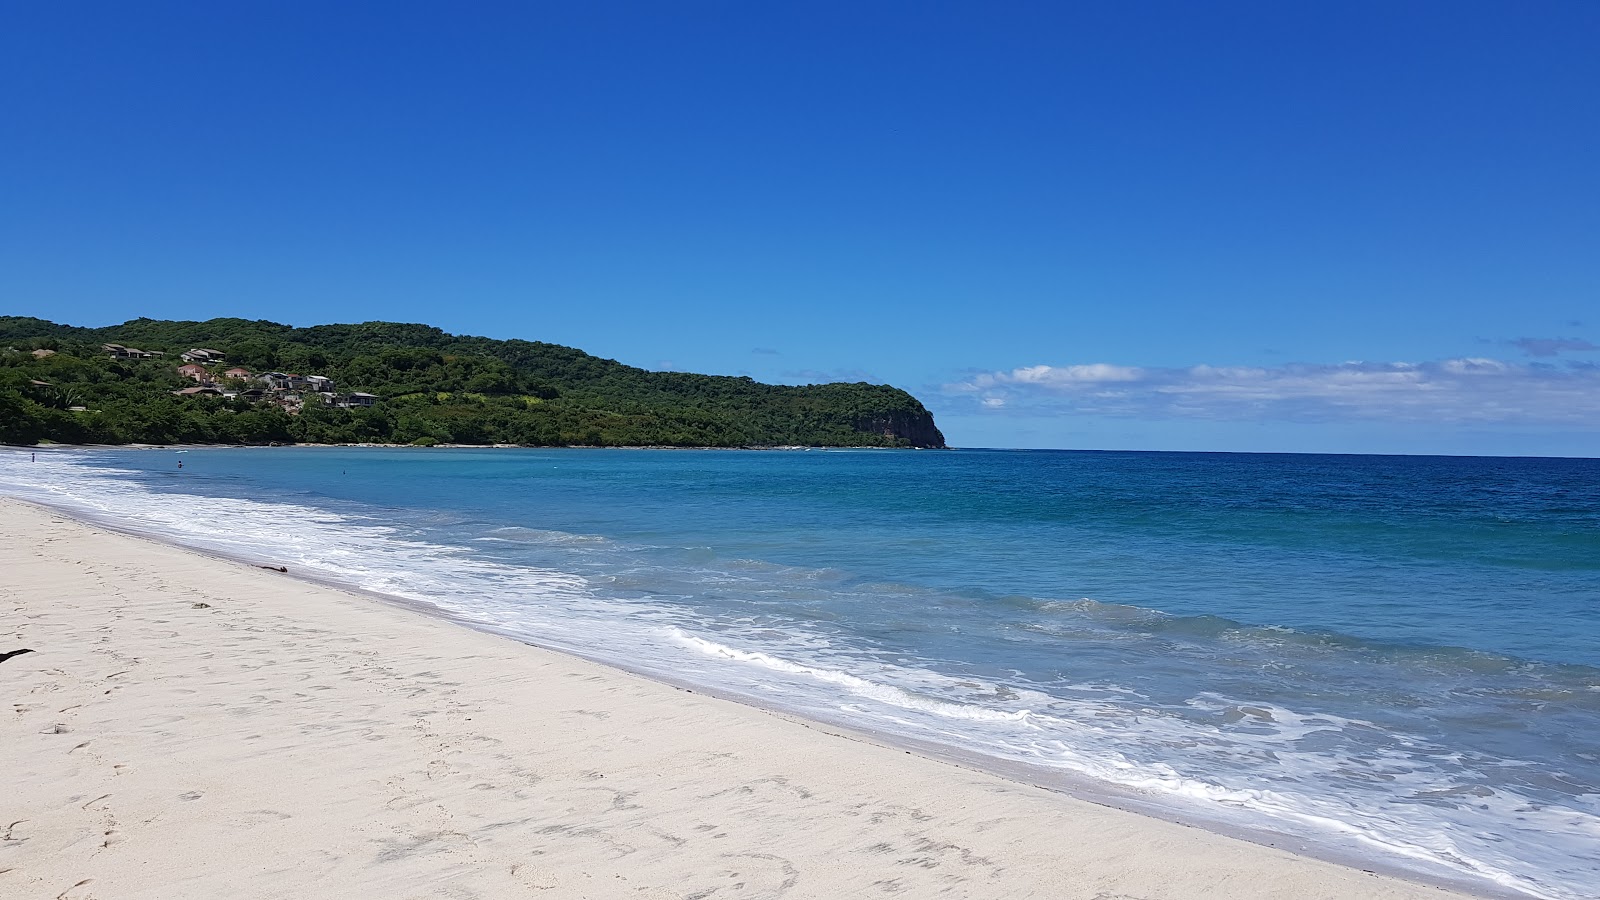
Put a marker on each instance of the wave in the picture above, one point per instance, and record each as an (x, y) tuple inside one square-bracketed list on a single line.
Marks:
[(1103, 742), (1078, 618)]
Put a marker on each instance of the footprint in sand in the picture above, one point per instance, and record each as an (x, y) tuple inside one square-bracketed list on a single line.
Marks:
[(68, 893)]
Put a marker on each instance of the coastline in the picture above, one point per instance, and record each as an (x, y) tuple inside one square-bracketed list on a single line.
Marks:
[(845, 811)]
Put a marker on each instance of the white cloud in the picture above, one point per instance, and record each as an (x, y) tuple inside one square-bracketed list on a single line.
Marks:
[(1094, 373), (1466, 390), (1475, 365), (1090, 374)]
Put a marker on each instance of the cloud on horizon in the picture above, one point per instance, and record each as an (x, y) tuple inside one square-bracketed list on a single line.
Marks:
[(1552, 346), (1469, 390)]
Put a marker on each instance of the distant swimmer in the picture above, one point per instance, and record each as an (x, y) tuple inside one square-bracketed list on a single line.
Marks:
[(180, 463)]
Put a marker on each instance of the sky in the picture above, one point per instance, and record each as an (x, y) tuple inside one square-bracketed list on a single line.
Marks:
[(1364, 227)]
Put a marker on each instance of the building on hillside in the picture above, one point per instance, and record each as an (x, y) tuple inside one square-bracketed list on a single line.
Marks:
[(118, 351), (359, 399), (203, 390), (239, 372), (197, 372), (319, 383), (203, 356), (274, 381)]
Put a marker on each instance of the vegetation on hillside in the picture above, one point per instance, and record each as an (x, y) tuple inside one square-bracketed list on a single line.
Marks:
[(432, 387)]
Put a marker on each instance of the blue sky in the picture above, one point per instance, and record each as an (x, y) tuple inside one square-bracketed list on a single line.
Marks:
[(1349, 227)]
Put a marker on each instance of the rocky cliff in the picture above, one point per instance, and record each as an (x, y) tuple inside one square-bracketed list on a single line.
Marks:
[(914, 427)]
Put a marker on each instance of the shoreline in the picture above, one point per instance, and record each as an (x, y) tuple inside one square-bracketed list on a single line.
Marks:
[(1077, 797)]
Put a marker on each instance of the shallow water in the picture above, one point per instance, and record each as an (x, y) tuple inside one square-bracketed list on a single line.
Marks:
[(1399, 656)]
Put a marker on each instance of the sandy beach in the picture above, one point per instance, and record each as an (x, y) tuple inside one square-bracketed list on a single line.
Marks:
[(191, 727)]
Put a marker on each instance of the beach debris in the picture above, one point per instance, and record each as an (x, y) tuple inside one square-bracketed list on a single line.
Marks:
[(274, 568), (10, 653), (199, 606)]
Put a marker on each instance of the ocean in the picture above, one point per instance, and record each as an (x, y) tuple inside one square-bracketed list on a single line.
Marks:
[(1389, 660)]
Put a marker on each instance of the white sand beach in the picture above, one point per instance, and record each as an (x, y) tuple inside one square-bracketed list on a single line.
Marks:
[(191, 727)]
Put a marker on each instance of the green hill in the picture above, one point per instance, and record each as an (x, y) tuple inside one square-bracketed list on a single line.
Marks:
[(429, 387)]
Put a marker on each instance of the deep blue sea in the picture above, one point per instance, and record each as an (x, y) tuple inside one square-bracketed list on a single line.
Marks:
[(1396, 658)]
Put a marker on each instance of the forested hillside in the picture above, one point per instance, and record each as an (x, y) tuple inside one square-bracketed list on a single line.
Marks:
[(59, 383)]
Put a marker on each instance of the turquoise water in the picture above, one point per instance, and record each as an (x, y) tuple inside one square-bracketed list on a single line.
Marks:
[(1397, 657)]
